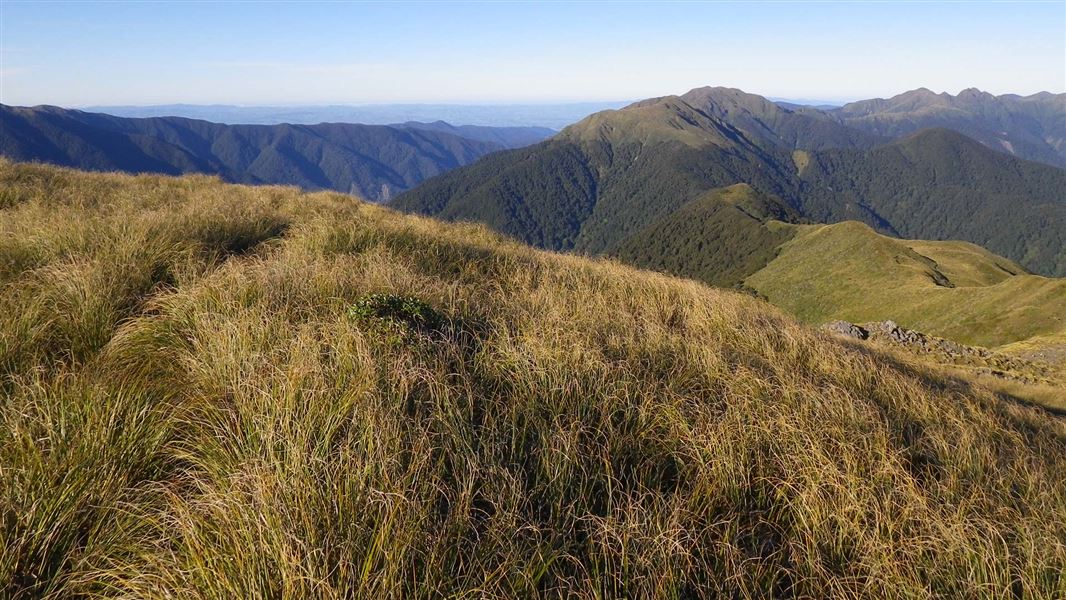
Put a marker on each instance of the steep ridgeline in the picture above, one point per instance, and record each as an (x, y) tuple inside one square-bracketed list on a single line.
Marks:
[(373, 161), (1031, 127), (616, 173), (771, 124)]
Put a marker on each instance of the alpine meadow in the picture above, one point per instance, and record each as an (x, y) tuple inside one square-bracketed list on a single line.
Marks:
[(405, 300)]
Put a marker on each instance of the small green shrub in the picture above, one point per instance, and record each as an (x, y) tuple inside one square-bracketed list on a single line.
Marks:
[(403, 310)]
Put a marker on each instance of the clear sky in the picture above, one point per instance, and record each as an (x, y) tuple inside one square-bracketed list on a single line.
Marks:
[(86, 53)]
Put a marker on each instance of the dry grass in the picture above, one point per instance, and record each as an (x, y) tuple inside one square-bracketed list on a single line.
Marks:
[(192, 411)]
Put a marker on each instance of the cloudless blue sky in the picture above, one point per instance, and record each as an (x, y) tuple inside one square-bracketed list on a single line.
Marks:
[(85, 53)]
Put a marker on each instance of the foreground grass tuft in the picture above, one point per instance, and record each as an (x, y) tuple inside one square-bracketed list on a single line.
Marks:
[(404, 310), (199, 403)]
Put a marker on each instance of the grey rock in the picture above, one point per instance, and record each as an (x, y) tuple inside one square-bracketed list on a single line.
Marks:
[(846, 329)]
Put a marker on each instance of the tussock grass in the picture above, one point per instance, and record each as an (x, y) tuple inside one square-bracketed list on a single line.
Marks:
[(205, 419)]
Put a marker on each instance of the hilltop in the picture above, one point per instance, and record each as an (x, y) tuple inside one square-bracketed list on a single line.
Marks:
[(215, 390)]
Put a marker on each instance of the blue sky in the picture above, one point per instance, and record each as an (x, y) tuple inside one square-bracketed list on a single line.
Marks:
[(86, 53)]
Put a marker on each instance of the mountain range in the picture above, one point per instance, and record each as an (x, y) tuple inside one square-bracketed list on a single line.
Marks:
[(599, 185), (1031, 127), (553, 115), (373, 161), (918, 165)]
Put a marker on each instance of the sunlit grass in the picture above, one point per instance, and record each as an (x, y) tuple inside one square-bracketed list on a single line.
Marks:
[(193, 409)]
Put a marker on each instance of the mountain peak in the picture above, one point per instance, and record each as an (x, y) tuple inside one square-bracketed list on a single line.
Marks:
[(974, 94), (937, 136), (655, 120), (724, 99)]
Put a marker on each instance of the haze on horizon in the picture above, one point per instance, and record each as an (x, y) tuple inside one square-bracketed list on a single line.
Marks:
[(123, 53)]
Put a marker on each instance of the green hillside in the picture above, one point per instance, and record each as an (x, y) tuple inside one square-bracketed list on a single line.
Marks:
[(374, 161), (771, 125), (218, 391), (617, 173), (590, 187), (951, 289), (938, 184), (719, 238)]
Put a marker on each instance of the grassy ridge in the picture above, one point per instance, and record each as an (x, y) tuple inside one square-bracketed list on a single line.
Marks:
[(951, 289), (230, 427)]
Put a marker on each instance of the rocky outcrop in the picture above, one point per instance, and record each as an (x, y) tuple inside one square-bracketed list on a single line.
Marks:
[(916, 340), (846, 329), (980, 360)]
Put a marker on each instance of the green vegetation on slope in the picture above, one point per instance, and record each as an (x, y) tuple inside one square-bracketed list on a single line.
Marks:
[(951, 289), (585, 195), (940, 185), (615, 173), (719, 238), (770, 124), (375, 161), (214, 391)]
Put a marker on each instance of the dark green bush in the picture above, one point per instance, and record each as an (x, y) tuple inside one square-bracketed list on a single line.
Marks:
[(403, 310)]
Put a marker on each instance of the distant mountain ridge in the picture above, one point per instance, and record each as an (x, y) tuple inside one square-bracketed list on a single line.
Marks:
[(506, 137), (552, 115), (606, 179), (372, 161), (1031, 127), (770, 123)]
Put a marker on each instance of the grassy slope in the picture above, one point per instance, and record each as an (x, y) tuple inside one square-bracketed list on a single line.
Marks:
[(190, 411), (847, 271), (1049, 348), (941, 185)]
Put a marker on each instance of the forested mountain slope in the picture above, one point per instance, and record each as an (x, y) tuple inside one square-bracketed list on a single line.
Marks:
[(610, 176), (373, 161), (939, 184)]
